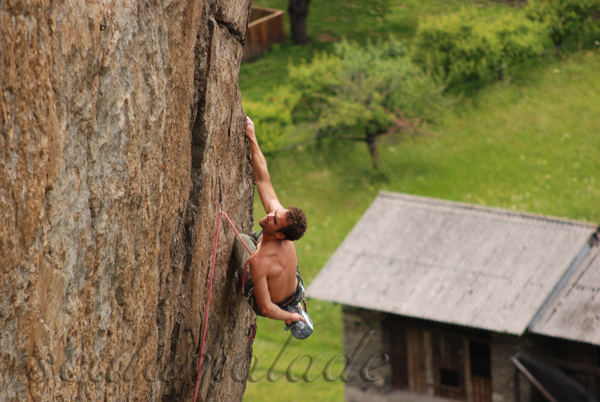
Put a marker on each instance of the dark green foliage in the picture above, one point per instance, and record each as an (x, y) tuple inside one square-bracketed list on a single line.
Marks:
[(472, 45), (273, 117), (361, 93), (576, 20), (377, 8)]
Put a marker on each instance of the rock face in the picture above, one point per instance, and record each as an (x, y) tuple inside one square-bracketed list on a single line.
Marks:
[(114, 116)]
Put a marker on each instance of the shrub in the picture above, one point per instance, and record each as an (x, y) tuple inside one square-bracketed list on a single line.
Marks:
[(360, 93), (272, 118), (577, 20), (470, 45), (377, 8)]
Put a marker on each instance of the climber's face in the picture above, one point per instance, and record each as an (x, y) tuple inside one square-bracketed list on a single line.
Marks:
[(274, 221)]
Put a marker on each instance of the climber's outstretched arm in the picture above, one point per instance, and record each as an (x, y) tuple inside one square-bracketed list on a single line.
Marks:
[(261, 172)]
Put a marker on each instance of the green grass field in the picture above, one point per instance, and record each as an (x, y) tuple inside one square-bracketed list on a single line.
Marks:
[(531, 143)]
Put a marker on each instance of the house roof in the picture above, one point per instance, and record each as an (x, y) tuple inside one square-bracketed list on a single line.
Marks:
[(575, 311), (451, 262)]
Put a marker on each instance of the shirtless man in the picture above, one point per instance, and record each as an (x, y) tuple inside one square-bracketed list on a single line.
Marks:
[(273, 265)]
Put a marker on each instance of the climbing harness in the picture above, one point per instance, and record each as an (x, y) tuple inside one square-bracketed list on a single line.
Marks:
[(212, 271)]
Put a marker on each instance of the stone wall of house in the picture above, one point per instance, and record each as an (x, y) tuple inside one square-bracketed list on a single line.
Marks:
[(114, 116), (367, 346), (503, 371), (360, 324), (367, 335)]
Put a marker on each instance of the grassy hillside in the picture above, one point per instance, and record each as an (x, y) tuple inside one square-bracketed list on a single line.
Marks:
[(530, 144)]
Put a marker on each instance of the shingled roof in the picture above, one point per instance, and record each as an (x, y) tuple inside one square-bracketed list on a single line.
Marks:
[(452, 262), (574, 313)]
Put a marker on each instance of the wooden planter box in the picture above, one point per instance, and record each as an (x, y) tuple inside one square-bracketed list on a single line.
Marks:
[(264, 28)]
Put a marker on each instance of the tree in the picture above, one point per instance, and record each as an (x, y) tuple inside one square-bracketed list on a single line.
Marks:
[(567, 19), (361, 93), (298, 10)]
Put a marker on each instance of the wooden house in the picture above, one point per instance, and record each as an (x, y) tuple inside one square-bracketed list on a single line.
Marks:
[(449, 301)]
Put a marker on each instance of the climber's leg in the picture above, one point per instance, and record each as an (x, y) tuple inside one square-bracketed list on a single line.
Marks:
[(240, 254), (240, 257)]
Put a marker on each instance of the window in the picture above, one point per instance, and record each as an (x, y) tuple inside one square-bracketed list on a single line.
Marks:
[(450, 378)]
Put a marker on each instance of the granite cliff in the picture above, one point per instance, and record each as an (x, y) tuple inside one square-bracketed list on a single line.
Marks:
[(114, 116)]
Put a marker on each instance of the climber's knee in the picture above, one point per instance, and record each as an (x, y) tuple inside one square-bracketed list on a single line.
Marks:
[(240, 254)]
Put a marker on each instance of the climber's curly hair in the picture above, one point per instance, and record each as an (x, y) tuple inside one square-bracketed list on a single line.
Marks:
[(297, 226)]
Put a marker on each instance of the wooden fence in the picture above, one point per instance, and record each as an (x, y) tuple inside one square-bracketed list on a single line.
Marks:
[(266, 27)]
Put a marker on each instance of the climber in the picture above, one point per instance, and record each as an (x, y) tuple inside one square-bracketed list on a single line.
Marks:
[(275, 281)]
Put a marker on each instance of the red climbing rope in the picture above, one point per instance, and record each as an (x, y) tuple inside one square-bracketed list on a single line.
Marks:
[(212, 271)]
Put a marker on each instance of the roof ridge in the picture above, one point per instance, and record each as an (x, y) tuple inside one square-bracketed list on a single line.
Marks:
[(486, 209)]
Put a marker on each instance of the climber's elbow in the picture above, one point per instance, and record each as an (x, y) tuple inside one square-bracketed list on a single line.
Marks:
[(265, 310), (269, 310)]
